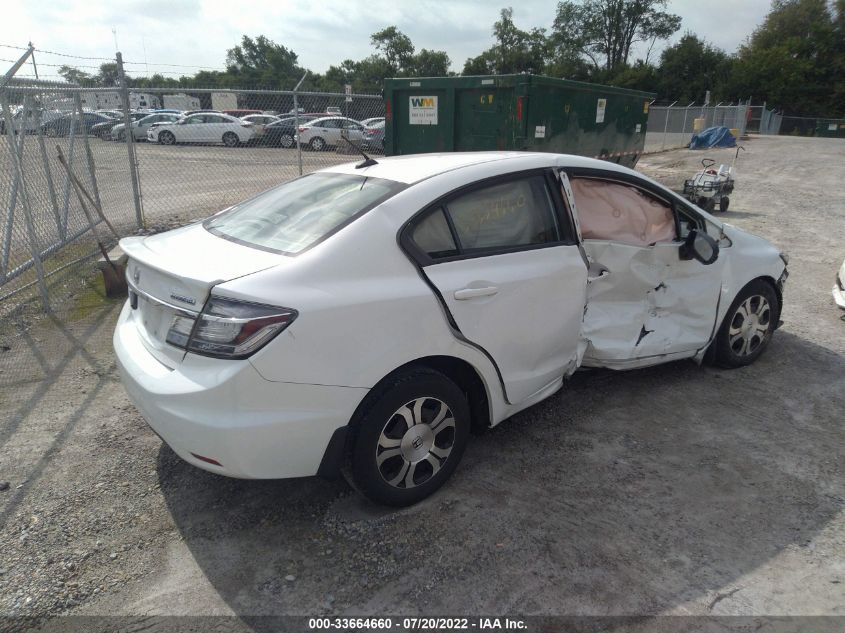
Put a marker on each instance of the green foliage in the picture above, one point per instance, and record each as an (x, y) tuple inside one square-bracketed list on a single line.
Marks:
[(796, 59), (692, 67), (514, 51), (604, 31)]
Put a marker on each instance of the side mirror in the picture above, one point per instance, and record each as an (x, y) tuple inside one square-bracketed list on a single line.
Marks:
[(700, 246)]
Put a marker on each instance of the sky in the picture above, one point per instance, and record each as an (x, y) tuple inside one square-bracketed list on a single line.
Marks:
[(177, 37)]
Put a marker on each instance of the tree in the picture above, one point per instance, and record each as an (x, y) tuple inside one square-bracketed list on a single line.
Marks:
[(605, 30), (514, 51), (796, 58), (690, 68), (428, 63), (75, 76), (262, 62), (396, 48)]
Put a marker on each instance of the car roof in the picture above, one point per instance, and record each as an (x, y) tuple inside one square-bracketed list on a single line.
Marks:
[(413, 168)]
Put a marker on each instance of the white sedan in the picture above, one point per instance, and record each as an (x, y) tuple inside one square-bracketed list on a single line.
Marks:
[(327, 132), (372, 314), (203, 127)]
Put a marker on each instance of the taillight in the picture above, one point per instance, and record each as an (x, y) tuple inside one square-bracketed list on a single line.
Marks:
[(227, 328), (301, 130)]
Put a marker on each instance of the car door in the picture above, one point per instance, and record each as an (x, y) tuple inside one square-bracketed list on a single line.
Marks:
[(504, 259), (190, 130), (647, 301)]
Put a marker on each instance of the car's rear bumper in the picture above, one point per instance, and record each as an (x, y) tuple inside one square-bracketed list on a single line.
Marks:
[(227, 412)]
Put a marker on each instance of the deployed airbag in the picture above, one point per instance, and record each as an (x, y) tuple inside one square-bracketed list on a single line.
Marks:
[(620, 213)]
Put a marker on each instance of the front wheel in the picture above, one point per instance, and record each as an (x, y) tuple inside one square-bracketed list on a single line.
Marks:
[(317, 144), (411, 438), (724, 202), (286, 141), (230, 139), (748, 326), (166, 138)]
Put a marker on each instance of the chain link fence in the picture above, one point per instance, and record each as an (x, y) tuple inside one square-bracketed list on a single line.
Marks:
[(671, 126), (77, 162)]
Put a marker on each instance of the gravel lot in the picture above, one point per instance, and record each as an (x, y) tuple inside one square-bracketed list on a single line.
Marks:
[(672, 490)]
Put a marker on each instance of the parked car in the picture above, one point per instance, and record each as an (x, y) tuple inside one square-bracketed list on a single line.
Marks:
[(239, 114), (325, 132), (283, 132), (30, 120), (62, 125), (141, 126), (374, 137), (839, 287), (373, 313), (203, 128), (260, 122), (112, 114), (103, 130), (372, 121)]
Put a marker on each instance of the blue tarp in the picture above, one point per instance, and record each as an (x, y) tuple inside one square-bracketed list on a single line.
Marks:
[(712, 137)]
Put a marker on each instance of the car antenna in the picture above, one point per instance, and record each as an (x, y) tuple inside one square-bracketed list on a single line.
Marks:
[(367, 162)]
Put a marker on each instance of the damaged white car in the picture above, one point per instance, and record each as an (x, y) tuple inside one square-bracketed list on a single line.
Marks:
[(371, 315)]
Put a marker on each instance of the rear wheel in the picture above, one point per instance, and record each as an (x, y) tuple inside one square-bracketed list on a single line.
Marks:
[(317, 144), (230, 139), (166, 138), (748, 325), (411, 438), (286, 141)]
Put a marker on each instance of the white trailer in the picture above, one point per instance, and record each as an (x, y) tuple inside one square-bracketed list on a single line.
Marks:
[(181, 101), (224, 101)]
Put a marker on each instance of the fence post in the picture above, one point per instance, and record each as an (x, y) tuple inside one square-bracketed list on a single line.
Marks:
[(130, 143), (666, 123), (296, 121)]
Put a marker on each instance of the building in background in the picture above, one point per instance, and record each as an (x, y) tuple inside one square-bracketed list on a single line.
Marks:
[(224, 101)]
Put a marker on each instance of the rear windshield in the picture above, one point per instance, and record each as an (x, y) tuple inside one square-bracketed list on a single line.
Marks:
[(298, 214)]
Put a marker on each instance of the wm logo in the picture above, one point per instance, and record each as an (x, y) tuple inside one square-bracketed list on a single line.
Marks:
[(422, 102)]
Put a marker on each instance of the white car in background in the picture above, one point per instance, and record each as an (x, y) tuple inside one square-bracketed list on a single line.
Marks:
[(326, 132), (260, 121), (373, 313), (839, 287), (142, 126), (372, 121), (203, 127)]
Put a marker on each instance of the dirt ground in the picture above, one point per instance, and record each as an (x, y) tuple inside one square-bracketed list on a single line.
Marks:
[(672, 490)]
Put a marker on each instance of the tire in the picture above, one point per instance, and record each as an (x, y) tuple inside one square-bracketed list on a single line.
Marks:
[(230, 139), (317, 144), (417, 462), (709, 205), (748, 325), (724, 203), (287, 141), (166, 137)]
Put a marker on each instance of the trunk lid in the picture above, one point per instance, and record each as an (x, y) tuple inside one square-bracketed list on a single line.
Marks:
[(172, 274)]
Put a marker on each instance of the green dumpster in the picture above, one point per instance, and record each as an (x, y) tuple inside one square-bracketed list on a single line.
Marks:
[(514, 112), (833, 128)]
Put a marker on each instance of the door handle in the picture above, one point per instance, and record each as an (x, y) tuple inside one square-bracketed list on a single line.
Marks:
[(471, 293)]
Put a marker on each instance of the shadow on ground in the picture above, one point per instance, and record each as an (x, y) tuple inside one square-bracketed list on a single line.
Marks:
[(626, 493)]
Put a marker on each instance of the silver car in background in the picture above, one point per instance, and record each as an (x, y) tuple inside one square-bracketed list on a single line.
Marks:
[(141, 126)]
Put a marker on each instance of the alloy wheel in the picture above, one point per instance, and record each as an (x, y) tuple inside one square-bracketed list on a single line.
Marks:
[(415, 442), (750, 325)]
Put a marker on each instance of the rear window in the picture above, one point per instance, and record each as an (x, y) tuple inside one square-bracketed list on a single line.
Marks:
[(296, 215)]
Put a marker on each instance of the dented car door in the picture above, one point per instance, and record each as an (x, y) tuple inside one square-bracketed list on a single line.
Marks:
[(646, 302)]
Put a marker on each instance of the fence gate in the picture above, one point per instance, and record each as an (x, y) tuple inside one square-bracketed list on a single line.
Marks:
[(42, 216)]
